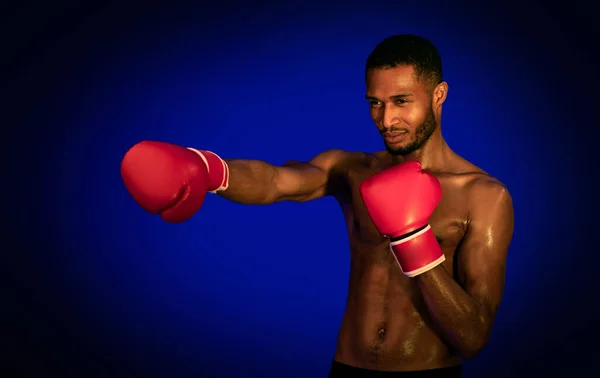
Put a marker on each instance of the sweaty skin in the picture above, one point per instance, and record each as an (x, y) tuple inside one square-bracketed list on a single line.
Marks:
[(393, 322)]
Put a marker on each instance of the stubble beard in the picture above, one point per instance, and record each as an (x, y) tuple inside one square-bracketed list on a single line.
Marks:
[(422, 134)]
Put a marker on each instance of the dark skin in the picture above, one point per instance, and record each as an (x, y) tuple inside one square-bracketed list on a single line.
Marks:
[(393, 322)]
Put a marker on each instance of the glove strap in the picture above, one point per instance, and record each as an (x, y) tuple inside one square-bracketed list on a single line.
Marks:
[(418, 252), (215, 165)]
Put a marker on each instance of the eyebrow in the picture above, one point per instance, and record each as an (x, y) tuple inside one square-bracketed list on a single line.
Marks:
[(394, 97)]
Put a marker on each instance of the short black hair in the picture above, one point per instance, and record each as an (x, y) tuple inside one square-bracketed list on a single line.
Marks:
[(409, 50)]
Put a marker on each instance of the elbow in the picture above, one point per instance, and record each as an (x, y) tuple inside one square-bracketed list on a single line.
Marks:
[(471, 351), (269, 198), (472, 346), (474, 338)]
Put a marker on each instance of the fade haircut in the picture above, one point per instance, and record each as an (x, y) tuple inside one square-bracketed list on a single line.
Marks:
[(408, 50)]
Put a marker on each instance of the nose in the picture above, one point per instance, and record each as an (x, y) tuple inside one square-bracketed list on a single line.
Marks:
[(389, 118)]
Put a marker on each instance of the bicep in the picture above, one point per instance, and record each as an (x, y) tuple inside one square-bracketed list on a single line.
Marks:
[(305, 181), (483, 252)]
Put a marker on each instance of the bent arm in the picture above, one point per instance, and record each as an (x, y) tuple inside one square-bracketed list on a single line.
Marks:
[(255, 182), (464, 307)]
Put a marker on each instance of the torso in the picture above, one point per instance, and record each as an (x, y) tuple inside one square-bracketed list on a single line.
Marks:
[(386, 325)]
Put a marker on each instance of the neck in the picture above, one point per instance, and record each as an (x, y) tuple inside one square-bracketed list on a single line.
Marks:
[(432, 155)]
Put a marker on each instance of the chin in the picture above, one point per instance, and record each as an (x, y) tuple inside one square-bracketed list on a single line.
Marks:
[(400, 150), (396, 149)]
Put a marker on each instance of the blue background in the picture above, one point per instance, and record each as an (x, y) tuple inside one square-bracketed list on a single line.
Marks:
[(98, 288)]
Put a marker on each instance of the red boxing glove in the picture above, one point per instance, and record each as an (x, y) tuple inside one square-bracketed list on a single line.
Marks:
[(400, 201), (171, 180)]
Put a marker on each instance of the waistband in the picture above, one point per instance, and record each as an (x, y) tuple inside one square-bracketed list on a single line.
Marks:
[(339, 370)]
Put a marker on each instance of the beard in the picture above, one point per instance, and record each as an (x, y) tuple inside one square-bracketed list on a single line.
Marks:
[(422, 134)]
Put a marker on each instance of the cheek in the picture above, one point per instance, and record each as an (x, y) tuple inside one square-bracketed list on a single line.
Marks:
[(414, 116), (376, 114)]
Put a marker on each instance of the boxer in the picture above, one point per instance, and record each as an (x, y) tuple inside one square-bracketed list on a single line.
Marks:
[(429, 231)]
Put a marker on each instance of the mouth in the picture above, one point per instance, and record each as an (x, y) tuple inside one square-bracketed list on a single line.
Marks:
[(394, 137)]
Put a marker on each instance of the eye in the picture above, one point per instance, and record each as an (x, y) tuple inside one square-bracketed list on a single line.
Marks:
[(401, 102), (375, 103)]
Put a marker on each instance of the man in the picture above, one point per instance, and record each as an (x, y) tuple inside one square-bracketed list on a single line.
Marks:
[(429, 231)]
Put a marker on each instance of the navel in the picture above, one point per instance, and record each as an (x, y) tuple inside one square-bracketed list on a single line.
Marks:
[(381, 332)]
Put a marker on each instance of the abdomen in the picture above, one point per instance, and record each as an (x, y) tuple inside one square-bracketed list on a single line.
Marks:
[(384, 326)]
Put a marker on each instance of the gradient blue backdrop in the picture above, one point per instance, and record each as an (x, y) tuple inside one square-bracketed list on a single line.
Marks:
[(98, 287)]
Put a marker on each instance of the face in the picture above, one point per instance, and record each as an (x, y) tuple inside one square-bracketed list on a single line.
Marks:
[(401, 108)]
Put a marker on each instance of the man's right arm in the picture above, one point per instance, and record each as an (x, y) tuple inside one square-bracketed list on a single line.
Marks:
[(172, 180), (258, 182)]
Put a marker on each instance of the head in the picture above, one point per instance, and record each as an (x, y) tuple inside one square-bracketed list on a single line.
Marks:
[(405, 91)]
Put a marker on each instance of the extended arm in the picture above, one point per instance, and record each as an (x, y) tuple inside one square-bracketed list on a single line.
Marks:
[(172, 180), (464, 309), (258, 182)]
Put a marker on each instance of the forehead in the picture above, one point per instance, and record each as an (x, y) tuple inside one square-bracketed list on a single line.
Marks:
[(385, 82)]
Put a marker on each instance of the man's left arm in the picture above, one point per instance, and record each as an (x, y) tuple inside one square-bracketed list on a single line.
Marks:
[(464, 307)]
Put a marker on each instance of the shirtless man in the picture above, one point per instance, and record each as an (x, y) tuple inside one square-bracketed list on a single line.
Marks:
[(420, 299)]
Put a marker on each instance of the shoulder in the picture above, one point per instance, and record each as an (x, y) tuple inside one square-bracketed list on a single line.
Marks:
[(332, 155), (485, 195), (490, 204), (340, 160), (484, 188), (477, 184)]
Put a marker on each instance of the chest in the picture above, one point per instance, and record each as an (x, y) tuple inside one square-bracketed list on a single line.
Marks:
[(448, 221)]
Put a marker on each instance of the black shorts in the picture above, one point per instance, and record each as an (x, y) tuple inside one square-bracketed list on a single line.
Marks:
[(339, 370)]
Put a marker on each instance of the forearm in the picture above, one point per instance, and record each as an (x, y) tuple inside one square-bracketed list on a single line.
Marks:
[(251, 182), (463, 322)]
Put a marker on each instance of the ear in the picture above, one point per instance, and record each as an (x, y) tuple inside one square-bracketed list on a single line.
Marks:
[(440, 92)]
